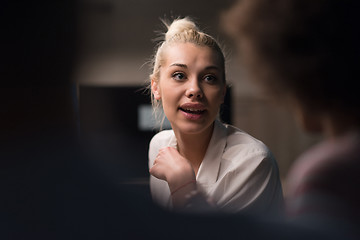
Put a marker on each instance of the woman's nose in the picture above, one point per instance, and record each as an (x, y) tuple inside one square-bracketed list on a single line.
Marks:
[(194, 89)]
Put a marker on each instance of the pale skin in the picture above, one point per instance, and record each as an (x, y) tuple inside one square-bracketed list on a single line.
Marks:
[(191, 88)]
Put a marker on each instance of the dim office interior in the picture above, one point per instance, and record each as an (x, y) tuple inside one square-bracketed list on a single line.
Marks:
[(82, 67), (117, 43)]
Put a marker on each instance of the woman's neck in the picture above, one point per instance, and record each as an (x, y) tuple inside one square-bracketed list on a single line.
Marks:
[(193, 146)]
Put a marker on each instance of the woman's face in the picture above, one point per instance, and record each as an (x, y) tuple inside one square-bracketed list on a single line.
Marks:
[(191, 87)]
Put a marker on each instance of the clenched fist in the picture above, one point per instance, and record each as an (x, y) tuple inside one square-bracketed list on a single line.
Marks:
[(170, 166)]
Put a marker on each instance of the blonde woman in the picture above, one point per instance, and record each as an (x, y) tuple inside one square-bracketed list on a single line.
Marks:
[(230, 168)]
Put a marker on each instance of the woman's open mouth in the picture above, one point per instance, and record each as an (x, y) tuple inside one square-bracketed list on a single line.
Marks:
[(192, 111)]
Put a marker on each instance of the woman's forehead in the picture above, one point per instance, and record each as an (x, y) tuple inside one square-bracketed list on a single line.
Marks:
[(191, 54)]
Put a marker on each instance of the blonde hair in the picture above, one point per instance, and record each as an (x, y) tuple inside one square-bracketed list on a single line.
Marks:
[(181, 30)]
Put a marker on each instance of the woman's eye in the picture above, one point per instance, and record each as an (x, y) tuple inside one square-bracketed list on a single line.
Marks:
[(210, 78), (178, 76)]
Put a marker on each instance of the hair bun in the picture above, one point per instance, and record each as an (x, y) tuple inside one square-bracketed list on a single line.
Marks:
[(179, 26)]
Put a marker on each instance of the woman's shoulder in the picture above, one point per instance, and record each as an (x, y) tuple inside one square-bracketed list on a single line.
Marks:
[(239, 142), (244, 152), (159, 140), (236, 136), (162, 138)]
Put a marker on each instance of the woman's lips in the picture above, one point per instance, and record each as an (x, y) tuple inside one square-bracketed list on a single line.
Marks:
[(193, 111)]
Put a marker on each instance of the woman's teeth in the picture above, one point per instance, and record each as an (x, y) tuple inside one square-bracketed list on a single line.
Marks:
[(193, 111)]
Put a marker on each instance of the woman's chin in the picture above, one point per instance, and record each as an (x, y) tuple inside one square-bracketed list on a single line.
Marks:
[(193, 127)]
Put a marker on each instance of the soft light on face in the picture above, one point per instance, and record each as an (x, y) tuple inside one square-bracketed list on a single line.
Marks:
[(191, 86)]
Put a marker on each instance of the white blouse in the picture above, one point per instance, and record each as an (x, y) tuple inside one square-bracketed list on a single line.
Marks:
[(237, 172)]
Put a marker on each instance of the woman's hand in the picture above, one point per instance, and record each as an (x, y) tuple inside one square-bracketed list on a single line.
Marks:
[(170, 166)]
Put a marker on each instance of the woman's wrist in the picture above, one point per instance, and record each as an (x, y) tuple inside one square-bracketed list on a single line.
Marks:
[(181, 177), (180, 193), (183, 186)]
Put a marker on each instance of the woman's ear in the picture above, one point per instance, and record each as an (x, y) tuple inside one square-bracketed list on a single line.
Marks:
[(155, 89)]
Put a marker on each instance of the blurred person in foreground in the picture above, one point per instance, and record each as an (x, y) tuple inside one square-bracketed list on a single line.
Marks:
[(305, 54), (50, 187)]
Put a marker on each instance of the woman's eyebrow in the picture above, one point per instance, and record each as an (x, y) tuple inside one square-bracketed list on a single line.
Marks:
[(212, 67), (178, 65), (185, 66)]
